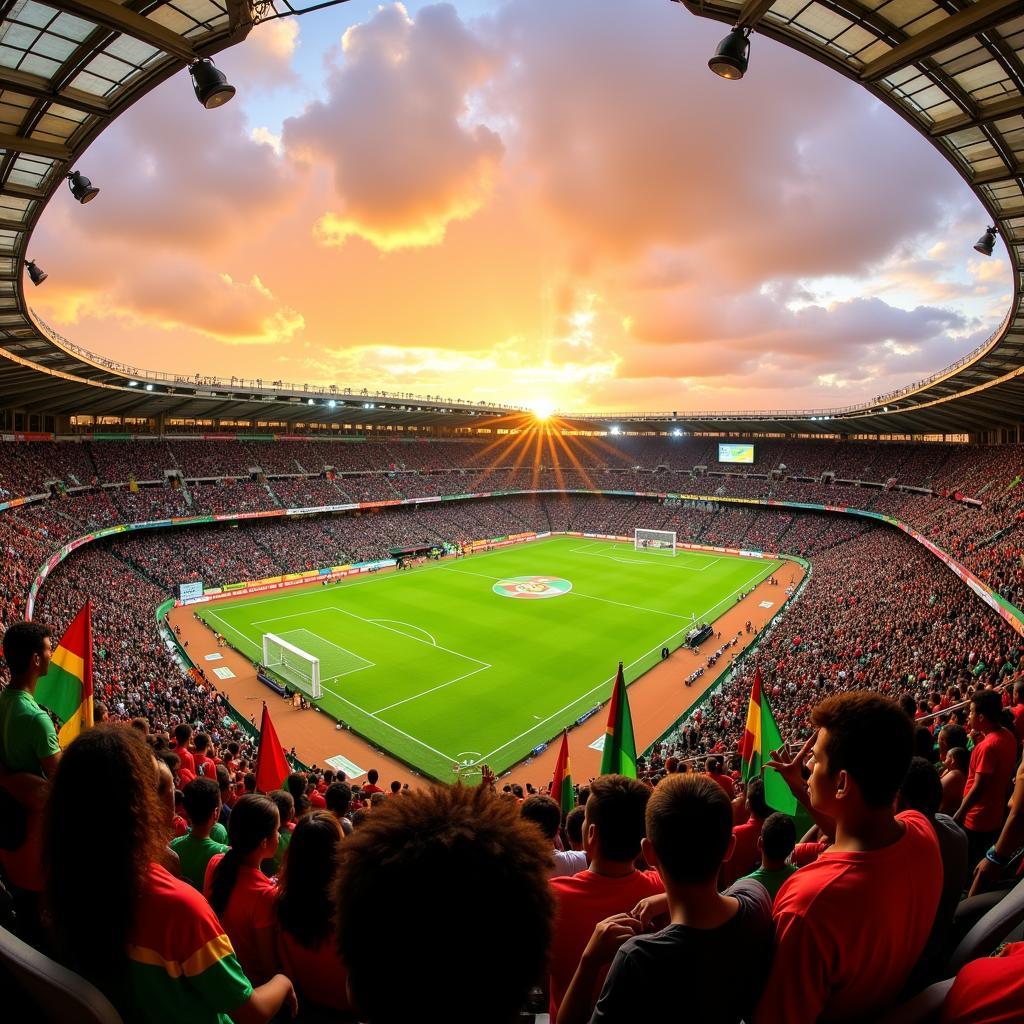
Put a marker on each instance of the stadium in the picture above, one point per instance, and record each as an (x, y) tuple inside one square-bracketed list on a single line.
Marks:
[(312, 688)]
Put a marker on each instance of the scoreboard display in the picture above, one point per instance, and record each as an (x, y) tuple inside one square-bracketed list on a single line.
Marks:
[(743, 453), (189, 591)]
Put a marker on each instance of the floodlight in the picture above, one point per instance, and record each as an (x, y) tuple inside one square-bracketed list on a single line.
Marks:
[(149, 387), (985, 244), (82, 188), (210, 83), (331, 404), (309, 401), (732, 54), (36, 274)]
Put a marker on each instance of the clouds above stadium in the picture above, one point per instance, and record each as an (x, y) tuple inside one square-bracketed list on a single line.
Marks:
[(525, 200)]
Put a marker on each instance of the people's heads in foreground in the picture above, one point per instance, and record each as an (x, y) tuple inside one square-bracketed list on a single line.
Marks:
[(613, 823), (861, 753), (393, 899)]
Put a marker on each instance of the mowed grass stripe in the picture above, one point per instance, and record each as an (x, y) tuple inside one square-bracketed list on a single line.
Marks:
[(460, 673)]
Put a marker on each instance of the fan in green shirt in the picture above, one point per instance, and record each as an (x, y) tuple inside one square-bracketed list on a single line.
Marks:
[(202, 841), (776, 843)]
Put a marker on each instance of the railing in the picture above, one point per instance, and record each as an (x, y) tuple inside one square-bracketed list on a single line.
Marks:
[(257, 384), (272, 388)]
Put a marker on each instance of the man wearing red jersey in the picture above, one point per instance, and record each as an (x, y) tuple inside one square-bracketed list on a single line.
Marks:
[(715, 773), (993, 762), (850, 927), (613, 827), (182, 734), (989, 990)]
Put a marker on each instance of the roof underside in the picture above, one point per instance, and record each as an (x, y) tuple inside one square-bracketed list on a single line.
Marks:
[(954, 70)]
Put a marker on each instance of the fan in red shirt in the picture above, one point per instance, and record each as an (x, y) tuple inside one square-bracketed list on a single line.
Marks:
[(851, 926), (370, 785), (713, 768), (613, 826), (1017, 709), (182, 734), (993, 762), (745, 856), (241, 895), (989, 990)]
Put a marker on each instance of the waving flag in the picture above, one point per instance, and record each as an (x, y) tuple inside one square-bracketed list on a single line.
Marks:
[(271, 765), (759, 740), (619, 756), (66, 689), (561, 785)]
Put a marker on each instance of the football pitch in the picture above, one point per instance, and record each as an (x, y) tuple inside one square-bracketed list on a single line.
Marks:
[(479, 660)]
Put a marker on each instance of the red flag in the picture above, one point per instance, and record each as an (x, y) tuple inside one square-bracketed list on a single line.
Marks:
[(271, 766)]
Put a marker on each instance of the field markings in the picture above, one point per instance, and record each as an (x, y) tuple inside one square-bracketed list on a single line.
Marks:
[(589, 597), (375, 578), (366, 663), (678, 561), (419, 629), (440, 686), (351, 704), (611, 679)]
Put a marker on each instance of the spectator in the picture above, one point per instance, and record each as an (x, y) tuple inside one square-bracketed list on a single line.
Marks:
[(547, 816), (613, 826), (338, 799), (117, 916), (370, 786), (286, 826), (991, 867), (29, 755), (394, 904), (953, 779), (182, 736), (776, 843), (842, 962), (296, 785), (989, 990), (921, 791), (204, 764), (196, 848), (993, 761), (574, 827), (743, 857), (689, 833), (305, 914), (240, 894), (713, 767)]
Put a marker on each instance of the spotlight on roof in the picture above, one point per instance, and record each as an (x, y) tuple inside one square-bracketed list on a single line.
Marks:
[(210, 83), (677, 432), (133, 383), (331, 404), (985, 244), (82, 188), (309, 401), (732, 54), (616, 430), (149, 387), (36, 274)]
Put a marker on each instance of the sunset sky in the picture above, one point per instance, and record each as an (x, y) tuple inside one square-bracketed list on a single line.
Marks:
[(527, 201)]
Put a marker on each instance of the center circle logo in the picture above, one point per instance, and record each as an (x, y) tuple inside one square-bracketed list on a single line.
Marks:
[(532, 588)]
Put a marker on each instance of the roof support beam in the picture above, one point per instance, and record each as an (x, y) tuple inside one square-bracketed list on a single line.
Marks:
[(970, 21), (982, 115), (997, 174), (119, 18), (34, 147), (39, 88), (753, 11)]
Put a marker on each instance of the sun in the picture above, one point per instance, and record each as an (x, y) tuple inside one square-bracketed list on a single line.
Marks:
[(543, 408)]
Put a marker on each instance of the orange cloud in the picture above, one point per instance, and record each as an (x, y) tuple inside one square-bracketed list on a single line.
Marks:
[(392, 129)]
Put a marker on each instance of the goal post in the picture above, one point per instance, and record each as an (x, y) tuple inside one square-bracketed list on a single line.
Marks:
[(292, 664), (659, 542)]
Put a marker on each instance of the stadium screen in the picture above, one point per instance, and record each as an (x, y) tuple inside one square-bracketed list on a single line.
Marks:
[(189, 591), (736, 453)]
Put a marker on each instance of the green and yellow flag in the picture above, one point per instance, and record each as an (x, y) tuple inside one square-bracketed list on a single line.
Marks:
[(66, 689), (561, 784), (619, 756), (759, 740)]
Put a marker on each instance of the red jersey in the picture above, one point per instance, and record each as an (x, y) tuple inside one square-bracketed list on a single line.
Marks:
[(250, 907), (319, 975), (205, 766), (988, 991), (725, 782), (834, 962), (995, 755), (582, 900), (316, 800), (1018, 721), (187, 761), (745, 857)]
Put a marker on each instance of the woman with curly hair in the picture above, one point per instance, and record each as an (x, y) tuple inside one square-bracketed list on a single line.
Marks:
[(305, 913), (148, 940), (240, 894)]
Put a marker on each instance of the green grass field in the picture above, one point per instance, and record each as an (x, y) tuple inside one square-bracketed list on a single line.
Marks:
[(434, 666)]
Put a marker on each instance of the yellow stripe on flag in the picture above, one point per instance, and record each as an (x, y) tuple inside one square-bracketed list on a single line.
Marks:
[(69, 661)]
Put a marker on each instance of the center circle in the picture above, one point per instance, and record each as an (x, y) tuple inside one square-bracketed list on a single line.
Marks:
[(532, 588)]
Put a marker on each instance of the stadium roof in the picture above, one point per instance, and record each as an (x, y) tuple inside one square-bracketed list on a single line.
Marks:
[(954, 70)]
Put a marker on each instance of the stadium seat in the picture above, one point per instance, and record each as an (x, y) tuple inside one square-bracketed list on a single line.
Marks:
[(924, 1008), (992, 929), (53, 994)]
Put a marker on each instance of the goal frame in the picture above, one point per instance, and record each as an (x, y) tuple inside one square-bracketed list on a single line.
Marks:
[(313, 688), (658, 541)]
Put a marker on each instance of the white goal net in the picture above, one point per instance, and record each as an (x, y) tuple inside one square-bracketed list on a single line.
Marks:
[(292, 664), (660, 542)]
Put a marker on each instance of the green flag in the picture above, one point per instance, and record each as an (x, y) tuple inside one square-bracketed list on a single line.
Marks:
[(619, 756)]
